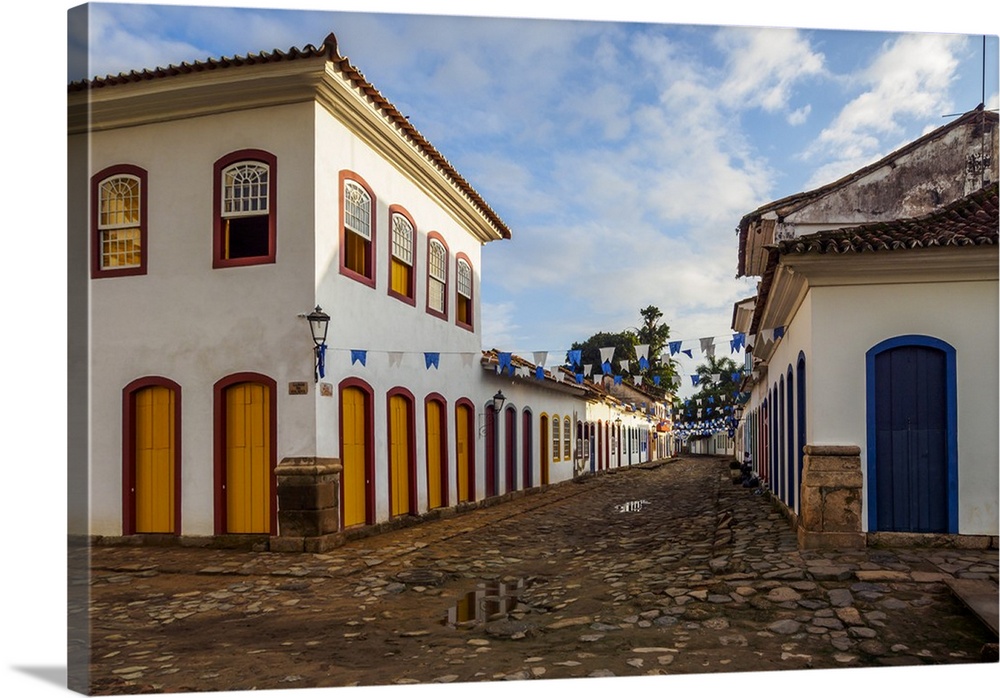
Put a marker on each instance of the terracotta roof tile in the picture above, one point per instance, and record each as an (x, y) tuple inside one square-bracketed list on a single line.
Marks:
[(969, 221), (784, 206)]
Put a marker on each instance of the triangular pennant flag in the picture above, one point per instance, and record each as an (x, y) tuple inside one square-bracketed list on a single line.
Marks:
[(779, 332), (522, 372), (359, 355), (540, 357), (588, 369), (624, 365), (606, 366), (574, 356), (503, 361), (395, 358), (641, 351), (467, 357), (674, 347), (716, 377), (735, 376), (540, 372), (431, 358), (694, 379), (607, 353), (643, 363), (688, 352), (656, 380), (579, 378), (637, 380), (618, 380)]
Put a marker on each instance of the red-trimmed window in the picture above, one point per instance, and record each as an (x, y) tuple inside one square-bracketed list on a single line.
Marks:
[(437, 276), (245, 209), (357, 230), (118, 222), (402, 253), (463, 292)]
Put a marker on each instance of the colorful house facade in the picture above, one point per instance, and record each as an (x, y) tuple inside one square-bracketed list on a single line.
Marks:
[(873, 407)]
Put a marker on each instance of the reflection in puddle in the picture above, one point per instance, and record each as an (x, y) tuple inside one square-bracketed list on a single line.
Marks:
[(485, 603), (635, 505)]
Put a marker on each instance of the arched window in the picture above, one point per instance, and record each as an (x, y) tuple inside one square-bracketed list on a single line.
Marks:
[(463, 293), (245, 209), (402, 254), (556, 439), (118, 224), (357, 233), (437, 276), (567, 436)]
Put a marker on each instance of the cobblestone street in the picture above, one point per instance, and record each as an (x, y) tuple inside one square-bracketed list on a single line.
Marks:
[(661, 570)]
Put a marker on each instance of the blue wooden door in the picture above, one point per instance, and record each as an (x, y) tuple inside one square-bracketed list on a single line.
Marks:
[(911, 439)]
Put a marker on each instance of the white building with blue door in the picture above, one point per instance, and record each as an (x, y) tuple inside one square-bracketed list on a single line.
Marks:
[(873, 409)]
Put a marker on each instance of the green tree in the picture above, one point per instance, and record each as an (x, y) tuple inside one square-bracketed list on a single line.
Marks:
[(714, 393), (651, 332)]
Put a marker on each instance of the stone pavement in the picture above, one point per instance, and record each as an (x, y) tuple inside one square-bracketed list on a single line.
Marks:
[(659, 570)]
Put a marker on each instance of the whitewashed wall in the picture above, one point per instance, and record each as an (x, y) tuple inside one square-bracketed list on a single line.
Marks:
[(188, 322)]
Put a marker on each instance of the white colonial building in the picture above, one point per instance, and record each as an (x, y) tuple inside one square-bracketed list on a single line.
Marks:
[(873, 408), (222, 202)]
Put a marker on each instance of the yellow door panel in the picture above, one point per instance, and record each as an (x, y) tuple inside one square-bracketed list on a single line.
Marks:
[(462, 452), (434, 467), (154, 460), (354, 456), (399, 456), (248, 447)]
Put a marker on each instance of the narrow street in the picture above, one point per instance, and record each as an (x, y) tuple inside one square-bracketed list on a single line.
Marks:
[(661, 570)]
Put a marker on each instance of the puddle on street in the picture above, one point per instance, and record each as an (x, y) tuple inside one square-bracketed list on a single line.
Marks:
[(634, 505), (489, 600)]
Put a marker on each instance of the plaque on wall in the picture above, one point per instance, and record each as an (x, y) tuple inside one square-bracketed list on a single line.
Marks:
[(298, 388)]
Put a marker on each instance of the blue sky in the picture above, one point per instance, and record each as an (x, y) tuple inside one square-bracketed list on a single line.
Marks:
[(622, 154)]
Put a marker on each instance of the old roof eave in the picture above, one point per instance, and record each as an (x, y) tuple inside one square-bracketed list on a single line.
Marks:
[(781, 208), (271, 79)]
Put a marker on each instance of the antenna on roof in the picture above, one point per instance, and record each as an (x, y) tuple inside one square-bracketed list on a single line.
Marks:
[(982, 98)]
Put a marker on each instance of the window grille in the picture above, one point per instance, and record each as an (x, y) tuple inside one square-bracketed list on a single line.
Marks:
[(357, 210), (402, 239), (245, 188), (119, 221)]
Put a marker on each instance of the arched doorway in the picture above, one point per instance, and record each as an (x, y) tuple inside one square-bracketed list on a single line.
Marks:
[(912, 436), (151, 456), (246, 453), (465, 460), (402, 461), (543, 445), (437, 452), (357, 491)]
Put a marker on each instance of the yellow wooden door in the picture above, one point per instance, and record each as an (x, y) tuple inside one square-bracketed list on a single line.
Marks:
[(462, 453), (544, 445), (435, 470), (248, 455), (154, 460), (354, 456), (399, 456)]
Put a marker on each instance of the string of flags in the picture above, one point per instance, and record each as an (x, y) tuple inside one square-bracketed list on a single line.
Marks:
[(608, 366)]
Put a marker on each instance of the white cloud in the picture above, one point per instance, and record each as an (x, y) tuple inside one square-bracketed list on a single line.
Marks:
[(799, 116), (907, 80), (763, 65)]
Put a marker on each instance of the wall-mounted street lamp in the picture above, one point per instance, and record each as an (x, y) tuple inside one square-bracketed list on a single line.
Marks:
[(319, 322), (498, 401)]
